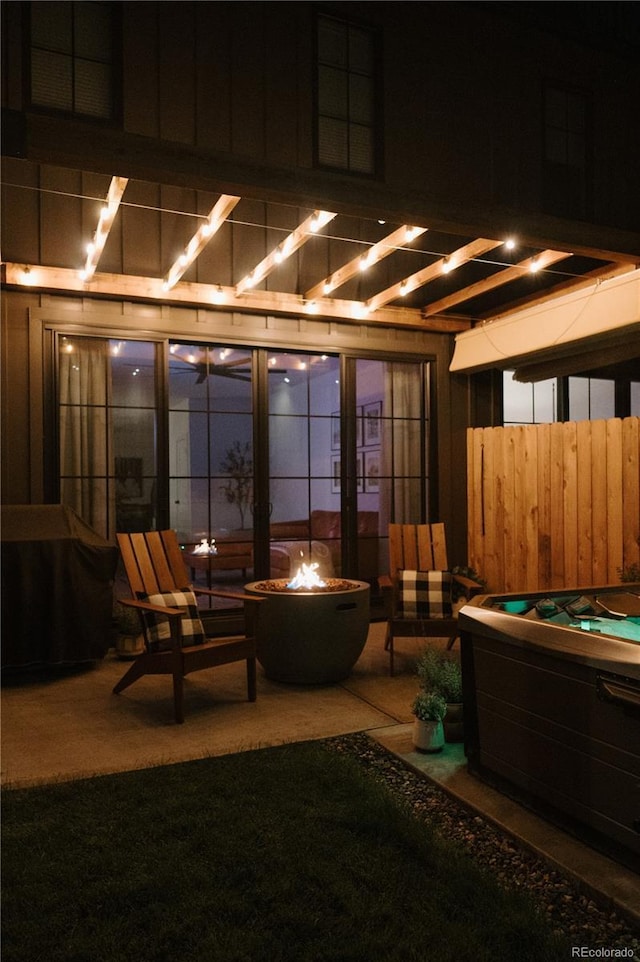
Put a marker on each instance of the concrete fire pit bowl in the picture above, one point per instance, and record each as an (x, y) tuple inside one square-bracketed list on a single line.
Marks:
[(311, 636)]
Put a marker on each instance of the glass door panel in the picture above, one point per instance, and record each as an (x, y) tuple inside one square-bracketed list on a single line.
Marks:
[(304, 449), (107, 429), (392, 433), (211, 470)]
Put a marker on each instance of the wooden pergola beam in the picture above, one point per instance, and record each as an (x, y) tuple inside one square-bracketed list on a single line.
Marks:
[(516, 272), (397, 239), (474, 249), (218, 297)]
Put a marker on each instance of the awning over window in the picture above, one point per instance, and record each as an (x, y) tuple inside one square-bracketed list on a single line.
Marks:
[(576, 331)]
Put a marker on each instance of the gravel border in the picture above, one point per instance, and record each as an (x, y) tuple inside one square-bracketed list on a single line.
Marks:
[(570, 911)]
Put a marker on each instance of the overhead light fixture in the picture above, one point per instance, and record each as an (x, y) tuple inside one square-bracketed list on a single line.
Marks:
[(510, 243), (210, 226), (361, 309), (447, 265), (319, 219), (534, 265)]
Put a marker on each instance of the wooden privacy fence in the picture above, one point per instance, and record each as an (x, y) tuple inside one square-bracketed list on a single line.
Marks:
[(554, 505)]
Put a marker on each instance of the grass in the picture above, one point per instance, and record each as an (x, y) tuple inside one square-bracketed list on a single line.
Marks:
[(288, 853)]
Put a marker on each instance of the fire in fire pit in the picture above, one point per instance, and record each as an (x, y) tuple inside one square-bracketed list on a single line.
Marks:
[(306, 577)]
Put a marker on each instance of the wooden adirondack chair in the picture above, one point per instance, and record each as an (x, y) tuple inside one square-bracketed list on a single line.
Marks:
[(155, 569), (420, 548)]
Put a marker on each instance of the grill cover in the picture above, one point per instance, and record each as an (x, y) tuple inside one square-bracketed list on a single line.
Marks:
[(57, 587)]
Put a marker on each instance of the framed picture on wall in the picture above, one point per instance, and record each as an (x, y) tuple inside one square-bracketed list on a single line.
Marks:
[(335, 431), (372, 471), (335, 475), (371, 414), (360, 471), (359, 431)]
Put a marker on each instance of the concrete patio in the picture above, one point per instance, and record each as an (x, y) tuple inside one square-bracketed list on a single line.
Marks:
[(68, 724)]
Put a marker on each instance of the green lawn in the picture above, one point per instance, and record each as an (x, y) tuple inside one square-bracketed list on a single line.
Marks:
[(288, 853)]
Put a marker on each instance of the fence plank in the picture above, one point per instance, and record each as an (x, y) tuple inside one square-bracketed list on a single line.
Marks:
[(599, 525), (614, 498), (570, 501), (543, 481), (631, 491), (584, 534), (557, 506), (508, 497)]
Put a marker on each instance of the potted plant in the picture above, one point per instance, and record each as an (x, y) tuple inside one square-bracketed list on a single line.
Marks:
[(129, 641), (429, 709), (630, 574), (440, 671), (460, 592)]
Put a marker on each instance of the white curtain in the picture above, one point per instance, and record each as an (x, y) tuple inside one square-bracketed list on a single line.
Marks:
[(400, 499), (85, 449)]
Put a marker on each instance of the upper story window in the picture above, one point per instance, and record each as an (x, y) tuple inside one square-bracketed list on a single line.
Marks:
[(345, 108), (566, 175), (72, 57)]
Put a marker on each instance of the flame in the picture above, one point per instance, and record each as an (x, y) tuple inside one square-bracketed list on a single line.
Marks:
[(306, 577), (204, 548)]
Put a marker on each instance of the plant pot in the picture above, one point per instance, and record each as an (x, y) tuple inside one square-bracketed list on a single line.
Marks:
[(454, 722), (428, 736), (129, 646)]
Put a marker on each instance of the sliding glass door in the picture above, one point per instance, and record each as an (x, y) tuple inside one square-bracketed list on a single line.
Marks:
[(259, 460)]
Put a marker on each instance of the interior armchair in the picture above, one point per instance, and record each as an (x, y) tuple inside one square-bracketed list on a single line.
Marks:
[(419, 585), (174, 635)]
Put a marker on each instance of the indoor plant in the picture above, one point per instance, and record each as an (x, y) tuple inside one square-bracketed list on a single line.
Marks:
[(440, 672), (429, 709), (238, 464)]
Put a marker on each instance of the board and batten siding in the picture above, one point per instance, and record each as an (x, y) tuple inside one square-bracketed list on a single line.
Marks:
[(554, 505)]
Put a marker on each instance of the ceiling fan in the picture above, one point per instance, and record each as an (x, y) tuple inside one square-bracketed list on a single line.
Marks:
[(238, 369)]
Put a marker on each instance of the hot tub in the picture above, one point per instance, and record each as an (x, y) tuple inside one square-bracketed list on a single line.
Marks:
[(311, 636), (552, 707)]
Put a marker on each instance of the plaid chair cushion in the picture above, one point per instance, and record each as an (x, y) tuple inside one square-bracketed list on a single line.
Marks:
[(424, 594), (158, 627)]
